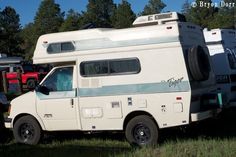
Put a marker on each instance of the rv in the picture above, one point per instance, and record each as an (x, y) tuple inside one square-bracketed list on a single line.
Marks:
[(138, 80), (222, 48)]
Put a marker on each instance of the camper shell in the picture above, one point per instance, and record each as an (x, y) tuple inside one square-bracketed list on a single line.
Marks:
[(154, 75), (222, 48)]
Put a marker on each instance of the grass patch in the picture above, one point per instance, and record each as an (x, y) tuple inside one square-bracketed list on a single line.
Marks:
[(103, 148), (211, 138), (200, 148)]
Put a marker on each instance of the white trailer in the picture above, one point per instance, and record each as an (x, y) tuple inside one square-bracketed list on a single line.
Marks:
[(137, 80), (222, 48)]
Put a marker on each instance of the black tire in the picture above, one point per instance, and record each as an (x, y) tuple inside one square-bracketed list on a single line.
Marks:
[(27, 130), (199, 64), (142, 131), (31, 83)]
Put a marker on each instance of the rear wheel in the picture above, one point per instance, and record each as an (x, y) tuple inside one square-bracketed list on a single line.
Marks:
[(142, 131), (27, 130)]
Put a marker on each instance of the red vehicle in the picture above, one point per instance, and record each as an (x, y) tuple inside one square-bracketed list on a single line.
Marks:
[(30, 74)]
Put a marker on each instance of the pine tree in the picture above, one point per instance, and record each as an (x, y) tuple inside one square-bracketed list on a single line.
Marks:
[(29, 36), (153, 7), (200, 15), (226, 17), (48, 18), (186, 8), (123, 16), (72, 21), (9, 32), (99, 12)]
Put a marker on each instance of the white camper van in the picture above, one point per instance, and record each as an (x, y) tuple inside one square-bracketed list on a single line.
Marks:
[(137, 80), (222, 48)]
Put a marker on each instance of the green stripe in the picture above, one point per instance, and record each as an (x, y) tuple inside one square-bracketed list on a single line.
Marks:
[(147, 88)]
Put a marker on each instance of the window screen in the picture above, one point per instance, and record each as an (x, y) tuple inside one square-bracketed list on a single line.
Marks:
[(110, 67), (60, 47), (94, 68), (124, 66), (66, 47), (54, 48)]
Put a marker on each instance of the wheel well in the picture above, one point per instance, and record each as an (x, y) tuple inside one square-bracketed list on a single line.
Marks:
[(22, 115), (134, 114)]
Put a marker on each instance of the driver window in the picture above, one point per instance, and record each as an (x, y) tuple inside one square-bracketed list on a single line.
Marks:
[(60, 80)]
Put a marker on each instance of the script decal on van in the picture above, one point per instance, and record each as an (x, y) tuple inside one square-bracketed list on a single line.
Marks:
[(174, 82)]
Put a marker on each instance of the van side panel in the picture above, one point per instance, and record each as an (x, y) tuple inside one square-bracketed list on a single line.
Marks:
[(160, 89)]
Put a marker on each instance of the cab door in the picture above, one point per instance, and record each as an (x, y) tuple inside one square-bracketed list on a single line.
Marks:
[(57, 101)]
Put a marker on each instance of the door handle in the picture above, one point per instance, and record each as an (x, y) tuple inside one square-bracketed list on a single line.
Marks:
[(72, 103)]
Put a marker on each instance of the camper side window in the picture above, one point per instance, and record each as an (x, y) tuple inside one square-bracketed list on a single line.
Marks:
[(124, 66), (110, 67), (94, 68), (60, 47)]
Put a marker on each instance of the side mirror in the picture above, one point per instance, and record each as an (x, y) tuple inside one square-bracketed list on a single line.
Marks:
[(42, 89)]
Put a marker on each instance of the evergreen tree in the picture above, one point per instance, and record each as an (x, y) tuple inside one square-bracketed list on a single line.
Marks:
[(123, 16), (226, 17), (186, 8), (99, 12), (48, 18), (9, 32), (153, 7), (202, 16), (72, 21), (29, 36)]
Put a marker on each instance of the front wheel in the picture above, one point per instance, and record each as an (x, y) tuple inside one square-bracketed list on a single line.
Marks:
[(27, 130), (142, 131)]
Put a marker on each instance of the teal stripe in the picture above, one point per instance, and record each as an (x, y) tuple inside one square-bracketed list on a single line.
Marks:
[(132, 89)]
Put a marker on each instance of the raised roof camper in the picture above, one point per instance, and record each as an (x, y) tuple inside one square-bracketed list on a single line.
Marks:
[(222, 48), (137, 80)]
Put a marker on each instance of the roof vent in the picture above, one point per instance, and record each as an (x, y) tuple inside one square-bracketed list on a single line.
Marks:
[(159, 19)]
